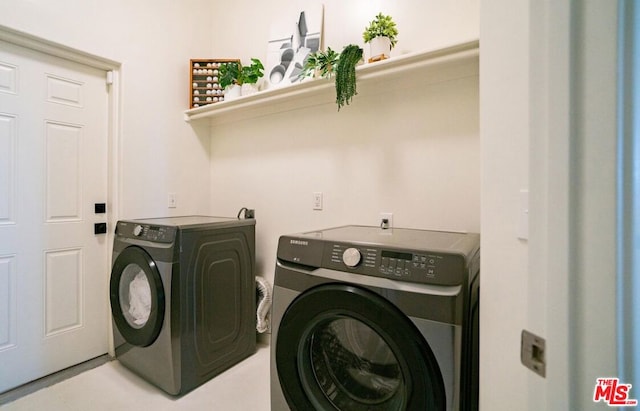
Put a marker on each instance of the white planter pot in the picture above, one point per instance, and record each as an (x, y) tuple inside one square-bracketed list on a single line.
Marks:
[(232, 91), (249, 89), (379, 48)]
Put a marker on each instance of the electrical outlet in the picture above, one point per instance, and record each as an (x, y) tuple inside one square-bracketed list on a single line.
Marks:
[(386, 220), (172, 200), (317, 201)]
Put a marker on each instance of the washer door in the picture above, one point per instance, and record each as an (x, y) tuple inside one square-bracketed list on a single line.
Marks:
[(137, 297), (341, 347)]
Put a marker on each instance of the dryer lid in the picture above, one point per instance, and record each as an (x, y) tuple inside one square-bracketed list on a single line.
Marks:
[(194, 221), (402, 238)]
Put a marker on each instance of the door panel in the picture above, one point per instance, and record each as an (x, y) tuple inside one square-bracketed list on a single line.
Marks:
[(7, 302), (62, 157), (53, 168), (7, 166), (63, 291)]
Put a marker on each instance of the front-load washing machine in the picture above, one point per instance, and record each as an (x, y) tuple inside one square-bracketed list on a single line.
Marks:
[(373, 319), (182, 296)]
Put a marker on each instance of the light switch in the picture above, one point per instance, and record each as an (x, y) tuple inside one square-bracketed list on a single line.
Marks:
[(317, 200), (172, 200)]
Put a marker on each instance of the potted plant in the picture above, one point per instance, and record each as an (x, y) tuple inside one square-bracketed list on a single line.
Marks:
[(320, 64), (345, 72), (381, 35), (234, 79)]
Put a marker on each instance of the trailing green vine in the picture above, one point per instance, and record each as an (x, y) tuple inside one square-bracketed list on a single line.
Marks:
[(346, 74)]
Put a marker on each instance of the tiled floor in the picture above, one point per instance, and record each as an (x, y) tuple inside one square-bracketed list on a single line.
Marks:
[(112, 387)]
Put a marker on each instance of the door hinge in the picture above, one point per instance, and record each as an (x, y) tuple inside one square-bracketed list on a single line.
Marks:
[(109, 78)]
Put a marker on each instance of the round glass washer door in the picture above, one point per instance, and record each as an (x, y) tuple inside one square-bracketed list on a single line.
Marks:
[(341, 347), (137, 297)]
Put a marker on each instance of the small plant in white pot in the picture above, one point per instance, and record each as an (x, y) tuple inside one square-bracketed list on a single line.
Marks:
[(320, 64), (237, 80), (381, 34)]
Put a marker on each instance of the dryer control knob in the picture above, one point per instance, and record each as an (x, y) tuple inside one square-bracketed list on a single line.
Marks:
[(351, 257), (137, 230)]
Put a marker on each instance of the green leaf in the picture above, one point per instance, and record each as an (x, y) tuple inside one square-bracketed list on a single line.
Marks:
[(346, 74), (229, 73), (232, 73), (321, 63), (381, 26)]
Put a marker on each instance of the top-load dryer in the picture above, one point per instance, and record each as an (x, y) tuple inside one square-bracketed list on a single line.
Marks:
[(182, 296)]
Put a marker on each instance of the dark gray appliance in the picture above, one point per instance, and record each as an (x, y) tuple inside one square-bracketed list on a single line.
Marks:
[(373, 319), (182, 296)]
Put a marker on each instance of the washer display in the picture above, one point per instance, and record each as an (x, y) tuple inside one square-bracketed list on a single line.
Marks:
[(372, 319)]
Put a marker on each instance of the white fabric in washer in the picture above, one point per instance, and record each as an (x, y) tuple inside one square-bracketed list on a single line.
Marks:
[(140, 299)]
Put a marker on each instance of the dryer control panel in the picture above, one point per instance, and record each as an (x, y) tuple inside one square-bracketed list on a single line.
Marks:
[(405, 265), (419, 256), (148, 232)]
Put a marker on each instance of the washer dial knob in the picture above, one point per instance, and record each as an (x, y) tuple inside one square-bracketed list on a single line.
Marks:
[(137, 230), (351, 257)]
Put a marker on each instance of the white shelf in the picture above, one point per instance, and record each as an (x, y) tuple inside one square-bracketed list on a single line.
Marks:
[(415, 69)]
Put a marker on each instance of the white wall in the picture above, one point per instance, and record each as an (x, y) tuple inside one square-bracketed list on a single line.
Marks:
[(414, 152), (153, 40), (504, 114)]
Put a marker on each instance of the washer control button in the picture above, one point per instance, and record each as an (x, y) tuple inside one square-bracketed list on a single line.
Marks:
[(351, 257)]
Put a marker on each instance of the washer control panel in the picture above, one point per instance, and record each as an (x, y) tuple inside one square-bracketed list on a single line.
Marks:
[(157, 234), (406, 265)]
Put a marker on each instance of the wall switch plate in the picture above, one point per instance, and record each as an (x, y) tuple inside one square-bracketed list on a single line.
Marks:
[(172, 200), (317, 200)]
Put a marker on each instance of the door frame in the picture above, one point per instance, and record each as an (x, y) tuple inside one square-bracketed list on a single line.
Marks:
[(572, 272), (114, 162)]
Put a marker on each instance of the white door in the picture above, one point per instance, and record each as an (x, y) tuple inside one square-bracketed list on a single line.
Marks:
[(53, 169)]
